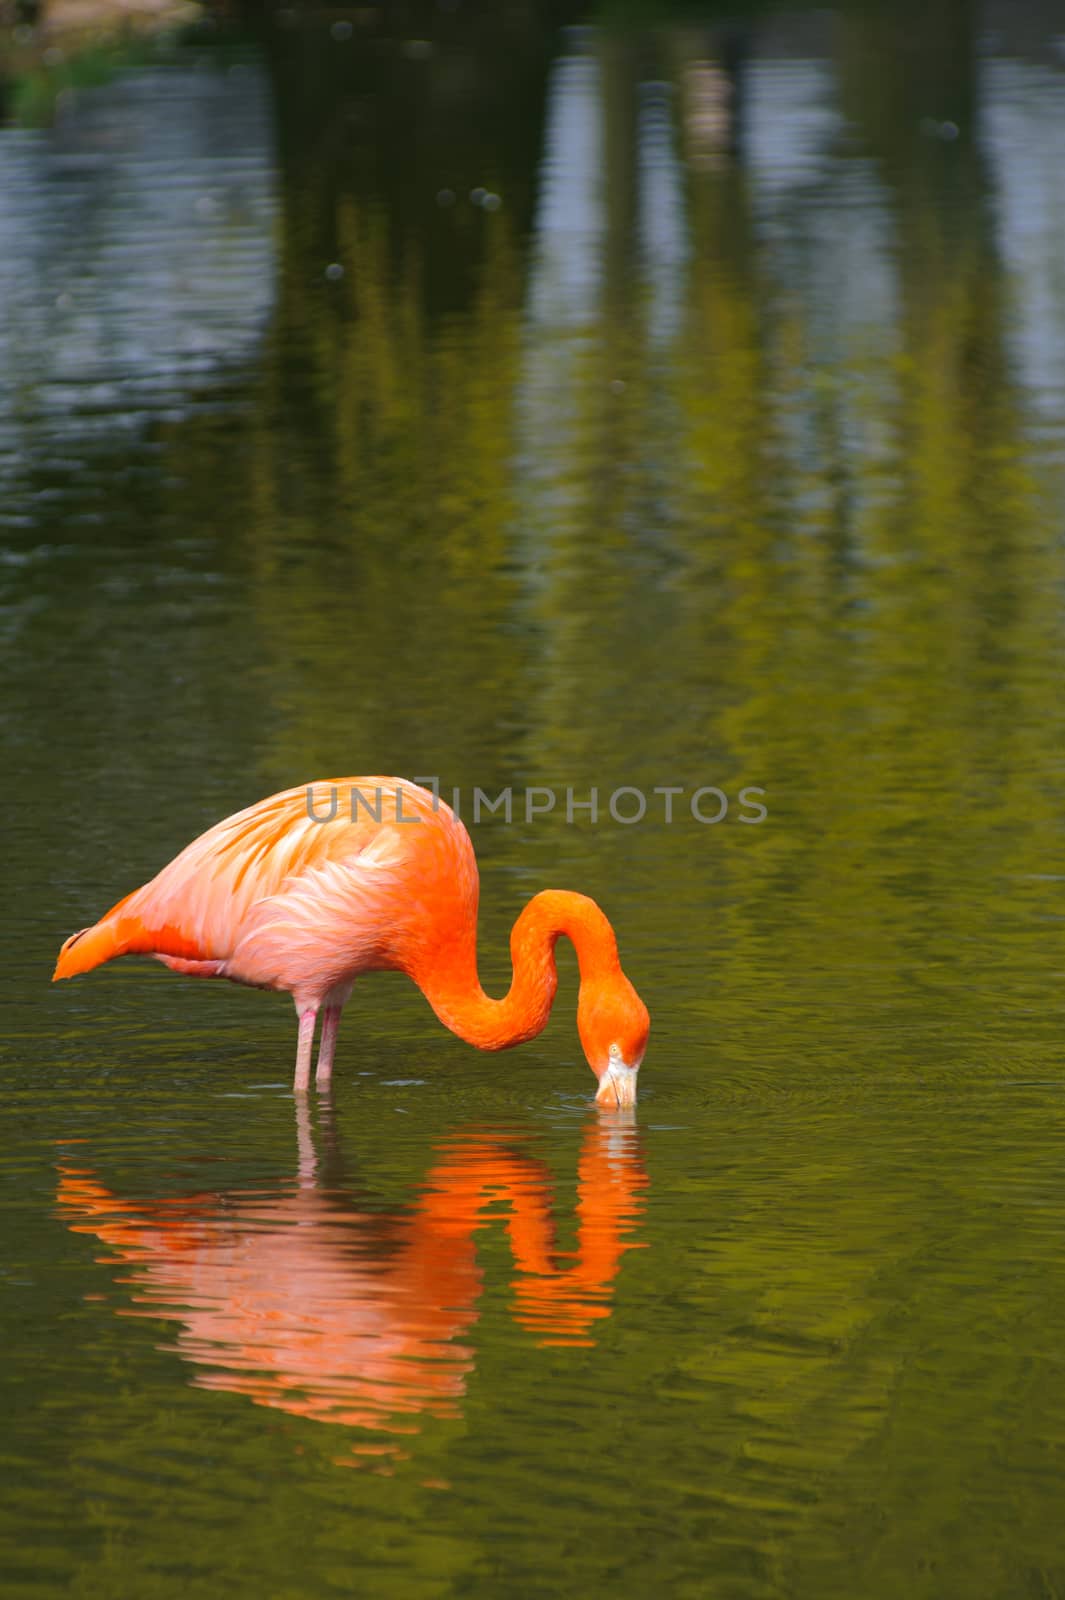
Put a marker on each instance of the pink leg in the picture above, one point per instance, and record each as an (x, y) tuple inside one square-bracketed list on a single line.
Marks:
[(303, 1052), (327, 1045)]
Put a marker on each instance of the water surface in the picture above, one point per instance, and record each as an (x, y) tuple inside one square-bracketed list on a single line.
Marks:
[(659, 407)]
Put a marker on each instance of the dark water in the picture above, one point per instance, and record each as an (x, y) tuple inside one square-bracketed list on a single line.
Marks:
[(726, 449)]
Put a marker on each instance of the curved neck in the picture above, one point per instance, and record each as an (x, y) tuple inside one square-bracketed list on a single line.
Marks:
[(454, 990)]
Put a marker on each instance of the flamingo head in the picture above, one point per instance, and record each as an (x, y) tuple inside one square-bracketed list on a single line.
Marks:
[(613, 1024)]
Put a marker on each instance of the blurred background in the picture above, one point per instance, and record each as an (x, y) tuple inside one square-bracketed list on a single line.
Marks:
[(544, 394)]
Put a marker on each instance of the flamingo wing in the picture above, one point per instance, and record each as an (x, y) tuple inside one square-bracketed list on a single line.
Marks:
[(272, 896)]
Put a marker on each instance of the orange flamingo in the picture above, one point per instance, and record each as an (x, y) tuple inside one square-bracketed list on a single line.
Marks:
[(300, 1298), (303, 894)]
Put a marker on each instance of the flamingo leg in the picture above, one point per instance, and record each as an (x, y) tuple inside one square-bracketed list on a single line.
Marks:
[(303, 1053), (327, 1045)]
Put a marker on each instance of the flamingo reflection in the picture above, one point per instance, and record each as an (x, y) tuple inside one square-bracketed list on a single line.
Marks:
[(302, 1298)]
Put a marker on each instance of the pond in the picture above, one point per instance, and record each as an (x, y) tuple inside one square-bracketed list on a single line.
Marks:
[(654, 410)]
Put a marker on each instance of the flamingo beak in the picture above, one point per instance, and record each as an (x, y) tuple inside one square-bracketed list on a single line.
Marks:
[(617, 1086)]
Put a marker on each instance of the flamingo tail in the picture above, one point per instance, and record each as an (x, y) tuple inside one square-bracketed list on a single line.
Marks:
[(90, 948), (131, 929)]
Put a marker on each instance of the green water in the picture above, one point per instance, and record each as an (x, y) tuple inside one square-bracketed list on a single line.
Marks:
[(719, 453)]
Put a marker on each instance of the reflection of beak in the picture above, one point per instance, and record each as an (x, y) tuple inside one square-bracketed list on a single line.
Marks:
[(617, 1086)]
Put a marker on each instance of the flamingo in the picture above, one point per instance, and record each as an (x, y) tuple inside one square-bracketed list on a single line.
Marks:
[(304, 894)]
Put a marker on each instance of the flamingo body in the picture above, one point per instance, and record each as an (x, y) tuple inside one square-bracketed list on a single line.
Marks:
[(310, 888)]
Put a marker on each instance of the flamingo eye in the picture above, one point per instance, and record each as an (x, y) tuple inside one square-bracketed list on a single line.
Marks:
[(615, 1052)]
